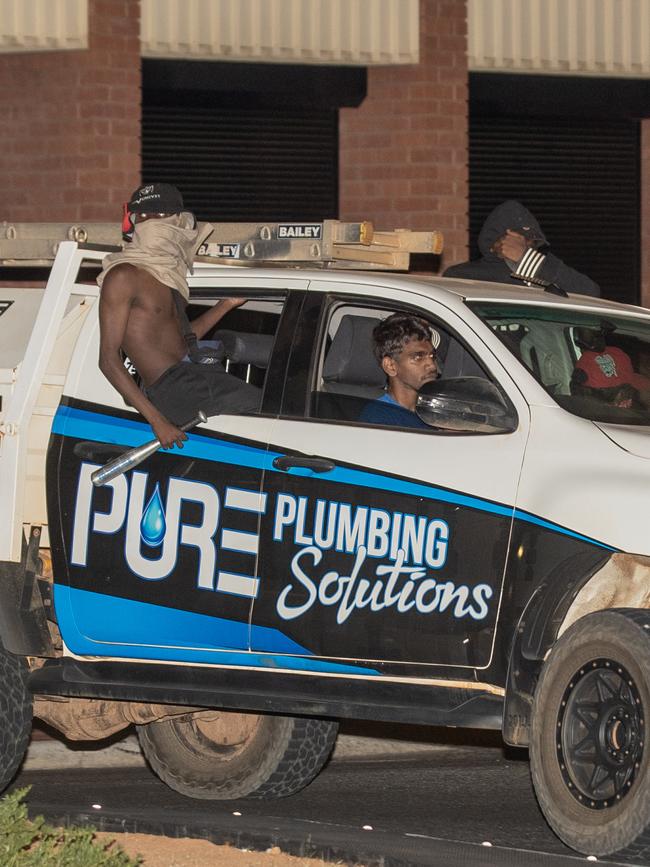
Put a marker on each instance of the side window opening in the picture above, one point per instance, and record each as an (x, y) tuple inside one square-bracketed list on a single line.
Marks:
[(244, 337), (348, 377), (242, 340), (594, 366)]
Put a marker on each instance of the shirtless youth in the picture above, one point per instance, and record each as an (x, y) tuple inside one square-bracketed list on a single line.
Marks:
[(137, 314)]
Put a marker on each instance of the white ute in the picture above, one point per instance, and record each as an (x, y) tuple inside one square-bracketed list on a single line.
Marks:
[(294, 566)]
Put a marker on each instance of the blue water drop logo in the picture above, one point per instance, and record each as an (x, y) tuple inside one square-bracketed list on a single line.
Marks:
[(153, 524)]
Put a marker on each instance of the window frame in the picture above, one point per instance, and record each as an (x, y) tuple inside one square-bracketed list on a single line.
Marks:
[(309, 352)]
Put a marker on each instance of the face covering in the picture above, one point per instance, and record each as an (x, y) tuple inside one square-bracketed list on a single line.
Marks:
[(164, 247)]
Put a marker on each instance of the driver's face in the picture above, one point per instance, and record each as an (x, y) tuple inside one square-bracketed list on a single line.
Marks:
[(415, 364)]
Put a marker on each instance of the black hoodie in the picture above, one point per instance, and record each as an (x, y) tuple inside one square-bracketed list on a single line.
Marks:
[(534, 264)]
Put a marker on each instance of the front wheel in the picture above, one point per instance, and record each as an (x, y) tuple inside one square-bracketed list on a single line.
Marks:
[(590, 762), (223, 755)]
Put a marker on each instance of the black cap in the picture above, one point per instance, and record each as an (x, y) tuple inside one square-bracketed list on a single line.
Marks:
[(156, 198)]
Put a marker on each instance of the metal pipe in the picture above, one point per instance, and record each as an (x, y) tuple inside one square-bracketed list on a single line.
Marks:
[(125, 462)]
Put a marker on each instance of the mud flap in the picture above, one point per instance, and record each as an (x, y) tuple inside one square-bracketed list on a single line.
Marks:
[(23, 603)]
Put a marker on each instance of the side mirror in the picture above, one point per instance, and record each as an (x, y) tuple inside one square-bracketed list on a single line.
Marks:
[(465, 403)]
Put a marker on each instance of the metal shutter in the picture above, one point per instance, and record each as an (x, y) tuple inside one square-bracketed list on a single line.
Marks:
[(581, 179), (245, 163)]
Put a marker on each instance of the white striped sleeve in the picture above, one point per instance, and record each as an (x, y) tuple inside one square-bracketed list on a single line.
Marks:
[(529, 264)]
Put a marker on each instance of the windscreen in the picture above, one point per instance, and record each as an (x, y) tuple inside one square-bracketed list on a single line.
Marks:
[(593, 365)]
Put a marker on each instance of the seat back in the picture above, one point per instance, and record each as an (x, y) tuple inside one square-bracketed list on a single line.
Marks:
[(350, 366), (242, 347), (246, 354)]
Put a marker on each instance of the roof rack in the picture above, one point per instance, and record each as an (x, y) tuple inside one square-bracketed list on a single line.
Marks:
[(326, 244)]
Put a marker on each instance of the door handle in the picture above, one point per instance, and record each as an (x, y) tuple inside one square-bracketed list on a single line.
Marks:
[(317, 465)]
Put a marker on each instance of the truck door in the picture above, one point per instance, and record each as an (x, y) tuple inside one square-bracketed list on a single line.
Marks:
[(382, 548), (161, 563)]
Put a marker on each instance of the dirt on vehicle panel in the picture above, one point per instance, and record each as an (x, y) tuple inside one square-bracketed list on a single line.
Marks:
[(623, 582)]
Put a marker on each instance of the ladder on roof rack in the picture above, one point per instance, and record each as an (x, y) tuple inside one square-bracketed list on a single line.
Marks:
[(326, 244)]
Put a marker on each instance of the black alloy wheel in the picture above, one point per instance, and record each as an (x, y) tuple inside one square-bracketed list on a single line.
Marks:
[(589, 762), (600, 734)]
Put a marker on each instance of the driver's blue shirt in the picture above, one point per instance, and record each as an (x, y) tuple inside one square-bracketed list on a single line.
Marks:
[(385, 410)]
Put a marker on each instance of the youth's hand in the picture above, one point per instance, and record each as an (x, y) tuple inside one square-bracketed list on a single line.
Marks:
[(206, 321), (511, 246), (168, 434)]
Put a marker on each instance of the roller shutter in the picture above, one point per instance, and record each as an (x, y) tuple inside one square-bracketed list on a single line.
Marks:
[(245, 164), (581, 179)]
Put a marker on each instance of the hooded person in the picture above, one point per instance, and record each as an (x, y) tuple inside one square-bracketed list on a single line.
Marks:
[(515, 250), (144, 293)]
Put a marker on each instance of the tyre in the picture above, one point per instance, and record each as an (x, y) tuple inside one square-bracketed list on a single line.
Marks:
[(15, 714), (223, 756), (590, 762)]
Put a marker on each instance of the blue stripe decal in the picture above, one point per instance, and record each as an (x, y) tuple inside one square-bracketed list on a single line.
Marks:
[(201, 637), (96, 427), (556, 528), (85, 425)]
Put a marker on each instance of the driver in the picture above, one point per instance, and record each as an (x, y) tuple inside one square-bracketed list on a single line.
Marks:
[(405, 347)]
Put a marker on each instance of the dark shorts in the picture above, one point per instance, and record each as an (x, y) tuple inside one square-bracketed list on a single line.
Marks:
[(186, 388)]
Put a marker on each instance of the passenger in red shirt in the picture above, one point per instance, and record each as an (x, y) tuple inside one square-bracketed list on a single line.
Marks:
[(606, 369)]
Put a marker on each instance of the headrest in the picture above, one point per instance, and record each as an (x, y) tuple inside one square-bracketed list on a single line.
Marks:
[(350, 358), (246, 347)]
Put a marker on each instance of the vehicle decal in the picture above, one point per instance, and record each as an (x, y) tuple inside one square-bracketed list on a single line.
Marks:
[(86, 425), (349, 565), (195, 635), (309, 231)]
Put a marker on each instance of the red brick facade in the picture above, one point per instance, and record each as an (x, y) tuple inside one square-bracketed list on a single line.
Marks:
[(71, 132), (403, 152), (645, 212), (70, 136)]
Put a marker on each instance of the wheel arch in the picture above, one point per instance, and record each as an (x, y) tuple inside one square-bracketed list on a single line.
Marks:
[(622, 582), (591, 580)]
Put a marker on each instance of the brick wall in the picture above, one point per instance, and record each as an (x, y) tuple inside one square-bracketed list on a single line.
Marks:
[(403, 152), (645, 212), (70, 136)]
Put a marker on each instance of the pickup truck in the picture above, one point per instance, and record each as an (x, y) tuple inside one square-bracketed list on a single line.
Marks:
[(296, 566)]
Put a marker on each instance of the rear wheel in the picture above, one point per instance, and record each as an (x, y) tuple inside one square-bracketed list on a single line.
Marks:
[(590, 762), (223, 756), (15, 714)]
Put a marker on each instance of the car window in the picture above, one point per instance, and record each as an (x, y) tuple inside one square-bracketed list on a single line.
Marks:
[(242, 340), (594, 365), (245, 336), (349, 380)]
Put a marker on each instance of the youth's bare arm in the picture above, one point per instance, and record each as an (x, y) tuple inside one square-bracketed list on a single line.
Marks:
[(115, 301), (203, 323)]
